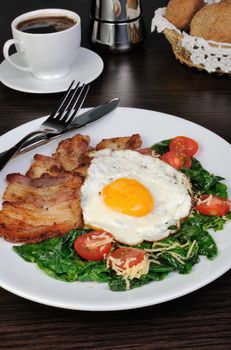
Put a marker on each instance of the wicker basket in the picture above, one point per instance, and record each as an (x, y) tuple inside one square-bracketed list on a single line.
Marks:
[(179, 51), (194, 52), (182, 54)]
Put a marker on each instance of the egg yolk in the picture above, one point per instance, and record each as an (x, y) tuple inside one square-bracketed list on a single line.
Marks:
[(128, 196)]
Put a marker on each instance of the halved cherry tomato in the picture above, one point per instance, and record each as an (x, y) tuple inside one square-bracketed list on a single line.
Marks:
[(92, 246), (146, 151), (177, 160), (213, 205), (182, 144), (133, 255)]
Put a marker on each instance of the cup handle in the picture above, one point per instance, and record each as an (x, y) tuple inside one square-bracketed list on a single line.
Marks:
[(6, 47)]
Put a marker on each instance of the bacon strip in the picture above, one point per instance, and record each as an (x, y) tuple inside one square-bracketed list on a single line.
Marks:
[(119, 143), (36, 209), (44, 165), (72, 155), (72, 152)]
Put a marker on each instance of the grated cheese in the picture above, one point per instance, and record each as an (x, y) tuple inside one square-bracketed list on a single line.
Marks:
[(191, 249), (100, 243), (167, 247), (154, 261), (127, 272), (157, 252), (178, 257), (206, 201)]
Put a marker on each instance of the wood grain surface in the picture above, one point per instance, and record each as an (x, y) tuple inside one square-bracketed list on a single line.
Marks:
[(147, 78)]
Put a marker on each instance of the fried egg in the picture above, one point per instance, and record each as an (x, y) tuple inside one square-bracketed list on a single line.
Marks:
[(135, 197)]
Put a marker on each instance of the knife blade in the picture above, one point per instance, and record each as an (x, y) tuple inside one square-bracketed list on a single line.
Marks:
[(78, 122)]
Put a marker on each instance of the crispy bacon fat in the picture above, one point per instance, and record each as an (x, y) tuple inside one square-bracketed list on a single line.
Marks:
[(45, 202), (117, 143), (72, 152), (44, 165), (35, 209), (71, 156)]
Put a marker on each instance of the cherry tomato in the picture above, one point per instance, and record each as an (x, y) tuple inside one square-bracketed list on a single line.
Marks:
[(213, 205), (134, 255), (146, 151), (91, 246), (183, 143), (177, 160)]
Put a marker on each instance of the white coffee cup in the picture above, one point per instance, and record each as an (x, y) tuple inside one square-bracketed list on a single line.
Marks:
[(49, 55)]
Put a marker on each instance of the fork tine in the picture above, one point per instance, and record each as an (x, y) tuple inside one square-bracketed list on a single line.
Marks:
[(81, 98), (76, 97), (62, 101), (68, 105), (76, 104)]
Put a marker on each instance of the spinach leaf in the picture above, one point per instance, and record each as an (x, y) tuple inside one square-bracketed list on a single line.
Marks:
[(177, 259), (161, 147), (203, 181), (94, 271), (117, 283), (210, 222), (193, 229), (52, 258), (57, 257), (220, 189), (174, 254)]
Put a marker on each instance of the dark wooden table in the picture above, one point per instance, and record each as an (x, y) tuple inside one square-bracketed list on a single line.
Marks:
[(148, 78)]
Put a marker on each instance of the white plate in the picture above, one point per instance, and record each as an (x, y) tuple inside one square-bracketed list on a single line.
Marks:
[(86, 68), (26, 280)]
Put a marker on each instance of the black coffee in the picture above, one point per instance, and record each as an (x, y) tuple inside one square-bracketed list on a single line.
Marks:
[(46, 25)]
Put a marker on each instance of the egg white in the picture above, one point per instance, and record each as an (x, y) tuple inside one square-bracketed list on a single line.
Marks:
[(169, 188)]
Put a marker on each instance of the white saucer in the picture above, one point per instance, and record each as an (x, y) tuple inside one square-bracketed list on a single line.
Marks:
[(87, 67)]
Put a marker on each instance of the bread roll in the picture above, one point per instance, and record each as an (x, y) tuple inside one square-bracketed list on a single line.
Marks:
[(213, 22), (180, 12)]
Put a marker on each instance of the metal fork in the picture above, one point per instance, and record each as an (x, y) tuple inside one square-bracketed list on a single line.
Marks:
[(56, 123)]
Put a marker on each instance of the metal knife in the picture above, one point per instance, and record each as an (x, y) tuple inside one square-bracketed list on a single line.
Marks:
[(78, 122)]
